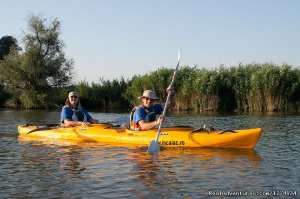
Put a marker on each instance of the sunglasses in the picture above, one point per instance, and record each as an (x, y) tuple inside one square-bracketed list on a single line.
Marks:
[(74, 96), (148, 99)]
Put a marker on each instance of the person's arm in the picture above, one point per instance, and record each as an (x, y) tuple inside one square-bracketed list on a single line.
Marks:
[(66, 118), (93, 121), (150, 125), (69, 122), (171, 102), (90, 119)]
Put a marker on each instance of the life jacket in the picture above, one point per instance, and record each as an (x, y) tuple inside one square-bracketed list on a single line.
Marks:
[(78, 115), (150, 117)]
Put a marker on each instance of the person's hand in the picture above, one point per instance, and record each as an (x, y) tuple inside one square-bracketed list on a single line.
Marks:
[(171, 90), (160, 119), (84, 123)]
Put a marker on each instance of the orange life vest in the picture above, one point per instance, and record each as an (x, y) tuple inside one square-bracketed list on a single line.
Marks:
[(135, 126)]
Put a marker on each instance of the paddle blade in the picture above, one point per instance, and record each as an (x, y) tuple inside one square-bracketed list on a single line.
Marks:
[(153, 147)]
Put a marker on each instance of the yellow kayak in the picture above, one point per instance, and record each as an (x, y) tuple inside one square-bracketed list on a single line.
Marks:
[(187, 137)]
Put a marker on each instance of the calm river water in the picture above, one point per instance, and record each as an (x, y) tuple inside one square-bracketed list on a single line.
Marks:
[(31, 169)]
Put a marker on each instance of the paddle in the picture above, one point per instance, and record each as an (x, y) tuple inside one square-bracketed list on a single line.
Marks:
[(154, 146)]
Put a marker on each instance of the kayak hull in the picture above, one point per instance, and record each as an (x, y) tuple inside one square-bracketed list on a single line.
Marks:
[(186, 137)]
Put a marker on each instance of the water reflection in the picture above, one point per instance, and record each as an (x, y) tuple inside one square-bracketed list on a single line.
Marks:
[(167, 174), (214, 169), (67, 169), (48, 170), (208, 153), (68, 153), (70, 160), (152, 176)]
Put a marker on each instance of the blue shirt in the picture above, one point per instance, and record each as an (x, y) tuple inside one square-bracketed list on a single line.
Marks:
[(74, 114), (147, 114)]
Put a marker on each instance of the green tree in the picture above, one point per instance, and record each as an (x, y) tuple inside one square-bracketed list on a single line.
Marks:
[(6, 44), (41, 67)]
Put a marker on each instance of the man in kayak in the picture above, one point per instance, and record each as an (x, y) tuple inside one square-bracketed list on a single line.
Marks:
[(73, 114), (143, 117)]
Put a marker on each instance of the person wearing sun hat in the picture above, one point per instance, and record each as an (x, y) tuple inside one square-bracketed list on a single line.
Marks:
[(143, 117), (73, 114)]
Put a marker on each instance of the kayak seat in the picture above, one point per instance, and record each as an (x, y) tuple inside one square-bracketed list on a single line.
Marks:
[(119, 126), (205, 128)]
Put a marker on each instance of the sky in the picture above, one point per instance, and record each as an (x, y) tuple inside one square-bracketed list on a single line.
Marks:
[(111, 39)]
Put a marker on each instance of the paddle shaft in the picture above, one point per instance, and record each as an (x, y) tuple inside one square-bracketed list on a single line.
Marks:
[(168, 98)]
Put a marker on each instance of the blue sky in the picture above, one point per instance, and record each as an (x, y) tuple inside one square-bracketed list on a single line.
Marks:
[(114, 38)]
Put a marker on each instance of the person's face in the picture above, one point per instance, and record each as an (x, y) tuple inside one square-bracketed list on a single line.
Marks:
[(73, 100), (147, 102)]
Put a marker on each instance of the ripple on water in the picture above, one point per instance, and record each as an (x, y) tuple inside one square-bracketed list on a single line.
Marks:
[(33, 169)]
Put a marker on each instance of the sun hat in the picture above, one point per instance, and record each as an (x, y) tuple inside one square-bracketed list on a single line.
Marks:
[(149, 94), (73, 93)]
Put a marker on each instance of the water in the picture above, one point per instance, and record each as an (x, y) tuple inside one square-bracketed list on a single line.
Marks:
[(32, 169)]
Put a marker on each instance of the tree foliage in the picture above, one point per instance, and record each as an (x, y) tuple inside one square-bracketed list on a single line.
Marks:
[(30, 75), (252, 87), (105, 95), (40, 75), (6, 45)]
